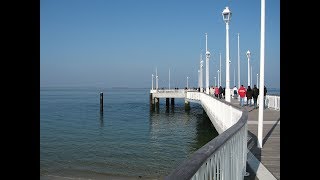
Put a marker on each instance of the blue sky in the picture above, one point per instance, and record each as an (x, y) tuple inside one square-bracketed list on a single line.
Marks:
[(120, 43)]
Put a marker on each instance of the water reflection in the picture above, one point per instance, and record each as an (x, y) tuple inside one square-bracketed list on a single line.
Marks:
[(184, 131), (101, 119), (205, 131)]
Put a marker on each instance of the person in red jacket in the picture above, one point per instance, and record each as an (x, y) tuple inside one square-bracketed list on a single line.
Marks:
[(242, 93), (216, 91)]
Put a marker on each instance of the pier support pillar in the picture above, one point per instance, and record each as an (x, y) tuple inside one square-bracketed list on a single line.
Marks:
[(172, 101), (167, 102), (156, 101), (186, 105), (151, 102)]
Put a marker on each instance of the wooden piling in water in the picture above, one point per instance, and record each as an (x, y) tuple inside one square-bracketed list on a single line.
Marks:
[(101, 102)]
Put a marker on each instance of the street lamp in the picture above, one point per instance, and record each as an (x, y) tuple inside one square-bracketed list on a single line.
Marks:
[(187, 82), (248, 56), (156, 79), (218, 78), (238, 62), (169, 78), (257, 81), (207, 66), (251, 75), (261, 89), (220, 72), (152, 81), (201, 75), (199, 79), (226, 14)]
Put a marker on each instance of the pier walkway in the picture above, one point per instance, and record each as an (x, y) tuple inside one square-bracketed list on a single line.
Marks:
[(264, 163), (269, 154)]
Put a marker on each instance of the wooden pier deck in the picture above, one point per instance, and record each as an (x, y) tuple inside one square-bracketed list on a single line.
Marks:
[(269, 155)]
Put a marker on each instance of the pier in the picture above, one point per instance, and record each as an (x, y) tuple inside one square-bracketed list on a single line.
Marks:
[(261, 163)]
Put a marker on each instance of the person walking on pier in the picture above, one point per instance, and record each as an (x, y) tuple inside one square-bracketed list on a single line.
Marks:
[(224, 92), (220, 92), (264, 97), (242, 93), (235, 92), (216, 91), (249, 96), (255, 94)]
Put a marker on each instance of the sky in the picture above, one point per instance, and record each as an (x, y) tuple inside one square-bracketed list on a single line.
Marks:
[(121, 43)]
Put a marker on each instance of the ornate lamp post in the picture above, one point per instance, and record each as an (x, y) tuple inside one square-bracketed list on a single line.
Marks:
[(248, 56), (226, 14), (207, 66)]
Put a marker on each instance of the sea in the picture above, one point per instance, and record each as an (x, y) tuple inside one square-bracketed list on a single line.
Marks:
[(126, 140)]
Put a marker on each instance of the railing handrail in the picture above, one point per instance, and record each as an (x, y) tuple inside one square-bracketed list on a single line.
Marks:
[(189, 167)]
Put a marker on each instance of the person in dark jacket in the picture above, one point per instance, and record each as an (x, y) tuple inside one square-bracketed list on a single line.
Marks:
[(223, 93), (249, 95), (255, 94), (264, 97), (220, 92)]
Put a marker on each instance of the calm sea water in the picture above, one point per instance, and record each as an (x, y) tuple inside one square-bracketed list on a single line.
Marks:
[(273, 91), (76, 140)]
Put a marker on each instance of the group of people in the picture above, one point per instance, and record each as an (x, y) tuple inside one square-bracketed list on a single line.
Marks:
[(250, 94), (219, 92), (242, 92)]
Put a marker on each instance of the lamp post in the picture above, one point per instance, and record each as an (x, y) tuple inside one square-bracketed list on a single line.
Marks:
[(207, 66), (248, 56), (198, 78), (218, 78), (220, 72), (201, 69), (238, 61), (257, 81), (251, 75), (215, 82), (157, 79), (234, 76), (226, 14), (187, 82), (261, 89), (152, 82), (169, 78)]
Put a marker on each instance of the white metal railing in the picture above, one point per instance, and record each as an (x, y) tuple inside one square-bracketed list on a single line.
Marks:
[(273, 101), (222, 115), (228, 162), (225, 156), (170, 91)]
